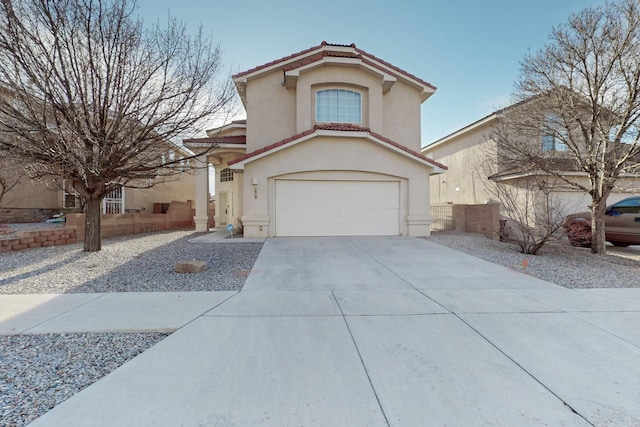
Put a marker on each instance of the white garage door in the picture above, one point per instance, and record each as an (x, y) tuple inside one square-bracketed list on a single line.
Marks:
[(337, 208)]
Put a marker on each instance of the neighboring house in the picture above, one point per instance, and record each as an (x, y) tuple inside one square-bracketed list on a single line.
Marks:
[(330, 147), (33, 201), (465, 182)]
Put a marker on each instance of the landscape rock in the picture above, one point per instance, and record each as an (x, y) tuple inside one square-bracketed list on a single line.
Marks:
[(191, 266)]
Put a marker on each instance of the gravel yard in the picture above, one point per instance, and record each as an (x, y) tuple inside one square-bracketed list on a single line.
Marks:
[(138, 263), (557, 262), (39, 371)]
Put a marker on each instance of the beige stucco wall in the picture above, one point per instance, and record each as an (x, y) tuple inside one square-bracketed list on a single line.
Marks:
[(181, 188), (32, 194), (271, 111), (578, 201), (335, 158), (401, 115), (465, 181), (275, 113)]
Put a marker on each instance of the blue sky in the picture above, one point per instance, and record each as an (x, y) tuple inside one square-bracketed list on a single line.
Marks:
[(470, 50)]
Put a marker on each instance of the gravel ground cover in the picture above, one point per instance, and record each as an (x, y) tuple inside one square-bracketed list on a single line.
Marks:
[(556, 262), (39, 371), (138, 263)]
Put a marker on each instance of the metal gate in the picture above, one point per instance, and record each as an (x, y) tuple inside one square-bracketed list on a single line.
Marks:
[(442, 218), (113, 203)]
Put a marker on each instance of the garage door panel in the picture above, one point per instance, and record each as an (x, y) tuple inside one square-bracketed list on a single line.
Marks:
[(335, 208)]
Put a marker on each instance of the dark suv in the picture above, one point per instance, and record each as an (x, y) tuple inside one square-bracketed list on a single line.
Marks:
[(622, 224)]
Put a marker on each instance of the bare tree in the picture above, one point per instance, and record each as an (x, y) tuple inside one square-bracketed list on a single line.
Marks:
[(533, 212), (92, 97), (579, 98), (10, 176)]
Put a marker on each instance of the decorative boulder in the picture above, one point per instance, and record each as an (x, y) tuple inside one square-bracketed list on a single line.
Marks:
[(191, 266)]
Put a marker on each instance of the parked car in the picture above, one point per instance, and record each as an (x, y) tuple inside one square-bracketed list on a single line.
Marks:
[(621, 224)]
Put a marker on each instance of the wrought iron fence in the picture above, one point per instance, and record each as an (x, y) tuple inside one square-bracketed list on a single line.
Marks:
[(442, 218)]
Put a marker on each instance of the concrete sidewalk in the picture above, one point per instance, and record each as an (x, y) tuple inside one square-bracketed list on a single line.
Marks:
[(112, 312), (377, 331)]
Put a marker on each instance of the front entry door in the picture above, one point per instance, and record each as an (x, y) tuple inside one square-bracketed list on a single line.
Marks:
[(224, 209)]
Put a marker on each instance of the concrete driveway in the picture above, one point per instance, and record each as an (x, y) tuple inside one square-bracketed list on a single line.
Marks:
[(382, 331)]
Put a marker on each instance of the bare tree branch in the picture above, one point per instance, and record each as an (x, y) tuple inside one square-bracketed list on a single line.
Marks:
[(533, 212), (11, 174), (91, 97), (577, 116)]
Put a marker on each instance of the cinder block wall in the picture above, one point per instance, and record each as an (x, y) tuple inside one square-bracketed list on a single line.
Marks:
[(483, 219)]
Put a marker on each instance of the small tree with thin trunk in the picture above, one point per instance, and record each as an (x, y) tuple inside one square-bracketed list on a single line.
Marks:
[(579, 102), (533, 213), (91, 97)]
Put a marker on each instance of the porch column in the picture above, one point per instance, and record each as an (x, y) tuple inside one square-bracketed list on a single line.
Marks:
[(201, 218)]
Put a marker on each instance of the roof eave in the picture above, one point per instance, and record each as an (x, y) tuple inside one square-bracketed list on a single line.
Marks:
[(389, 71), (436, 168), (442, 141)]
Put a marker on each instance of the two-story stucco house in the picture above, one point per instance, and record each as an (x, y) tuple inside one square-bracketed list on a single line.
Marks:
[(34, 201), (330, 146), (470, 151)]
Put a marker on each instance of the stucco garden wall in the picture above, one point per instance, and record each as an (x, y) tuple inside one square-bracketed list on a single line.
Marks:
[(178, 216)]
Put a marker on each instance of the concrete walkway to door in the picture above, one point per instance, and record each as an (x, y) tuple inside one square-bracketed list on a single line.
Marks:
[(382, 331)]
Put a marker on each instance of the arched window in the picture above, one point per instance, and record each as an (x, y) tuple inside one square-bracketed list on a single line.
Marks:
[(226, 175), (338, 106)]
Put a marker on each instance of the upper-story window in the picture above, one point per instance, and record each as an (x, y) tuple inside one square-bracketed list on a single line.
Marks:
[(554, 135), (630, 136), (226, 175), (338, 106)]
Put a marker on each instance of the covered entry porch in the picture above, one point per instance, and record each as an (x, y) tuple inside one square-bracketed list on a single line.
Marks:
[(211, 166)]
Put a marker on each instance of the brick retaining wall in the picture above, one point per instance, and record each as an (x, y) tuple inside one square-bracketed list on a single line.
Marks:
[(29, 239)]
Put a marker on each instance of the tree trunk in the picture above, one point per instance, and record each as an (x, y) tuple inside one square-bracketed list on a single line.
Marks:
[(597, 227), (93, 226)]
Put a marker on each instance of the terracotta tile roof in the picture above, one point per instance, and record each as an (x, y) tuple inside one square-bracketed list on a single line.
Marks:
[(271, 147), (361, 54), (339, 127), (393, 67), (324, 43), (235, 139), (319, 57), (269, 64)]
